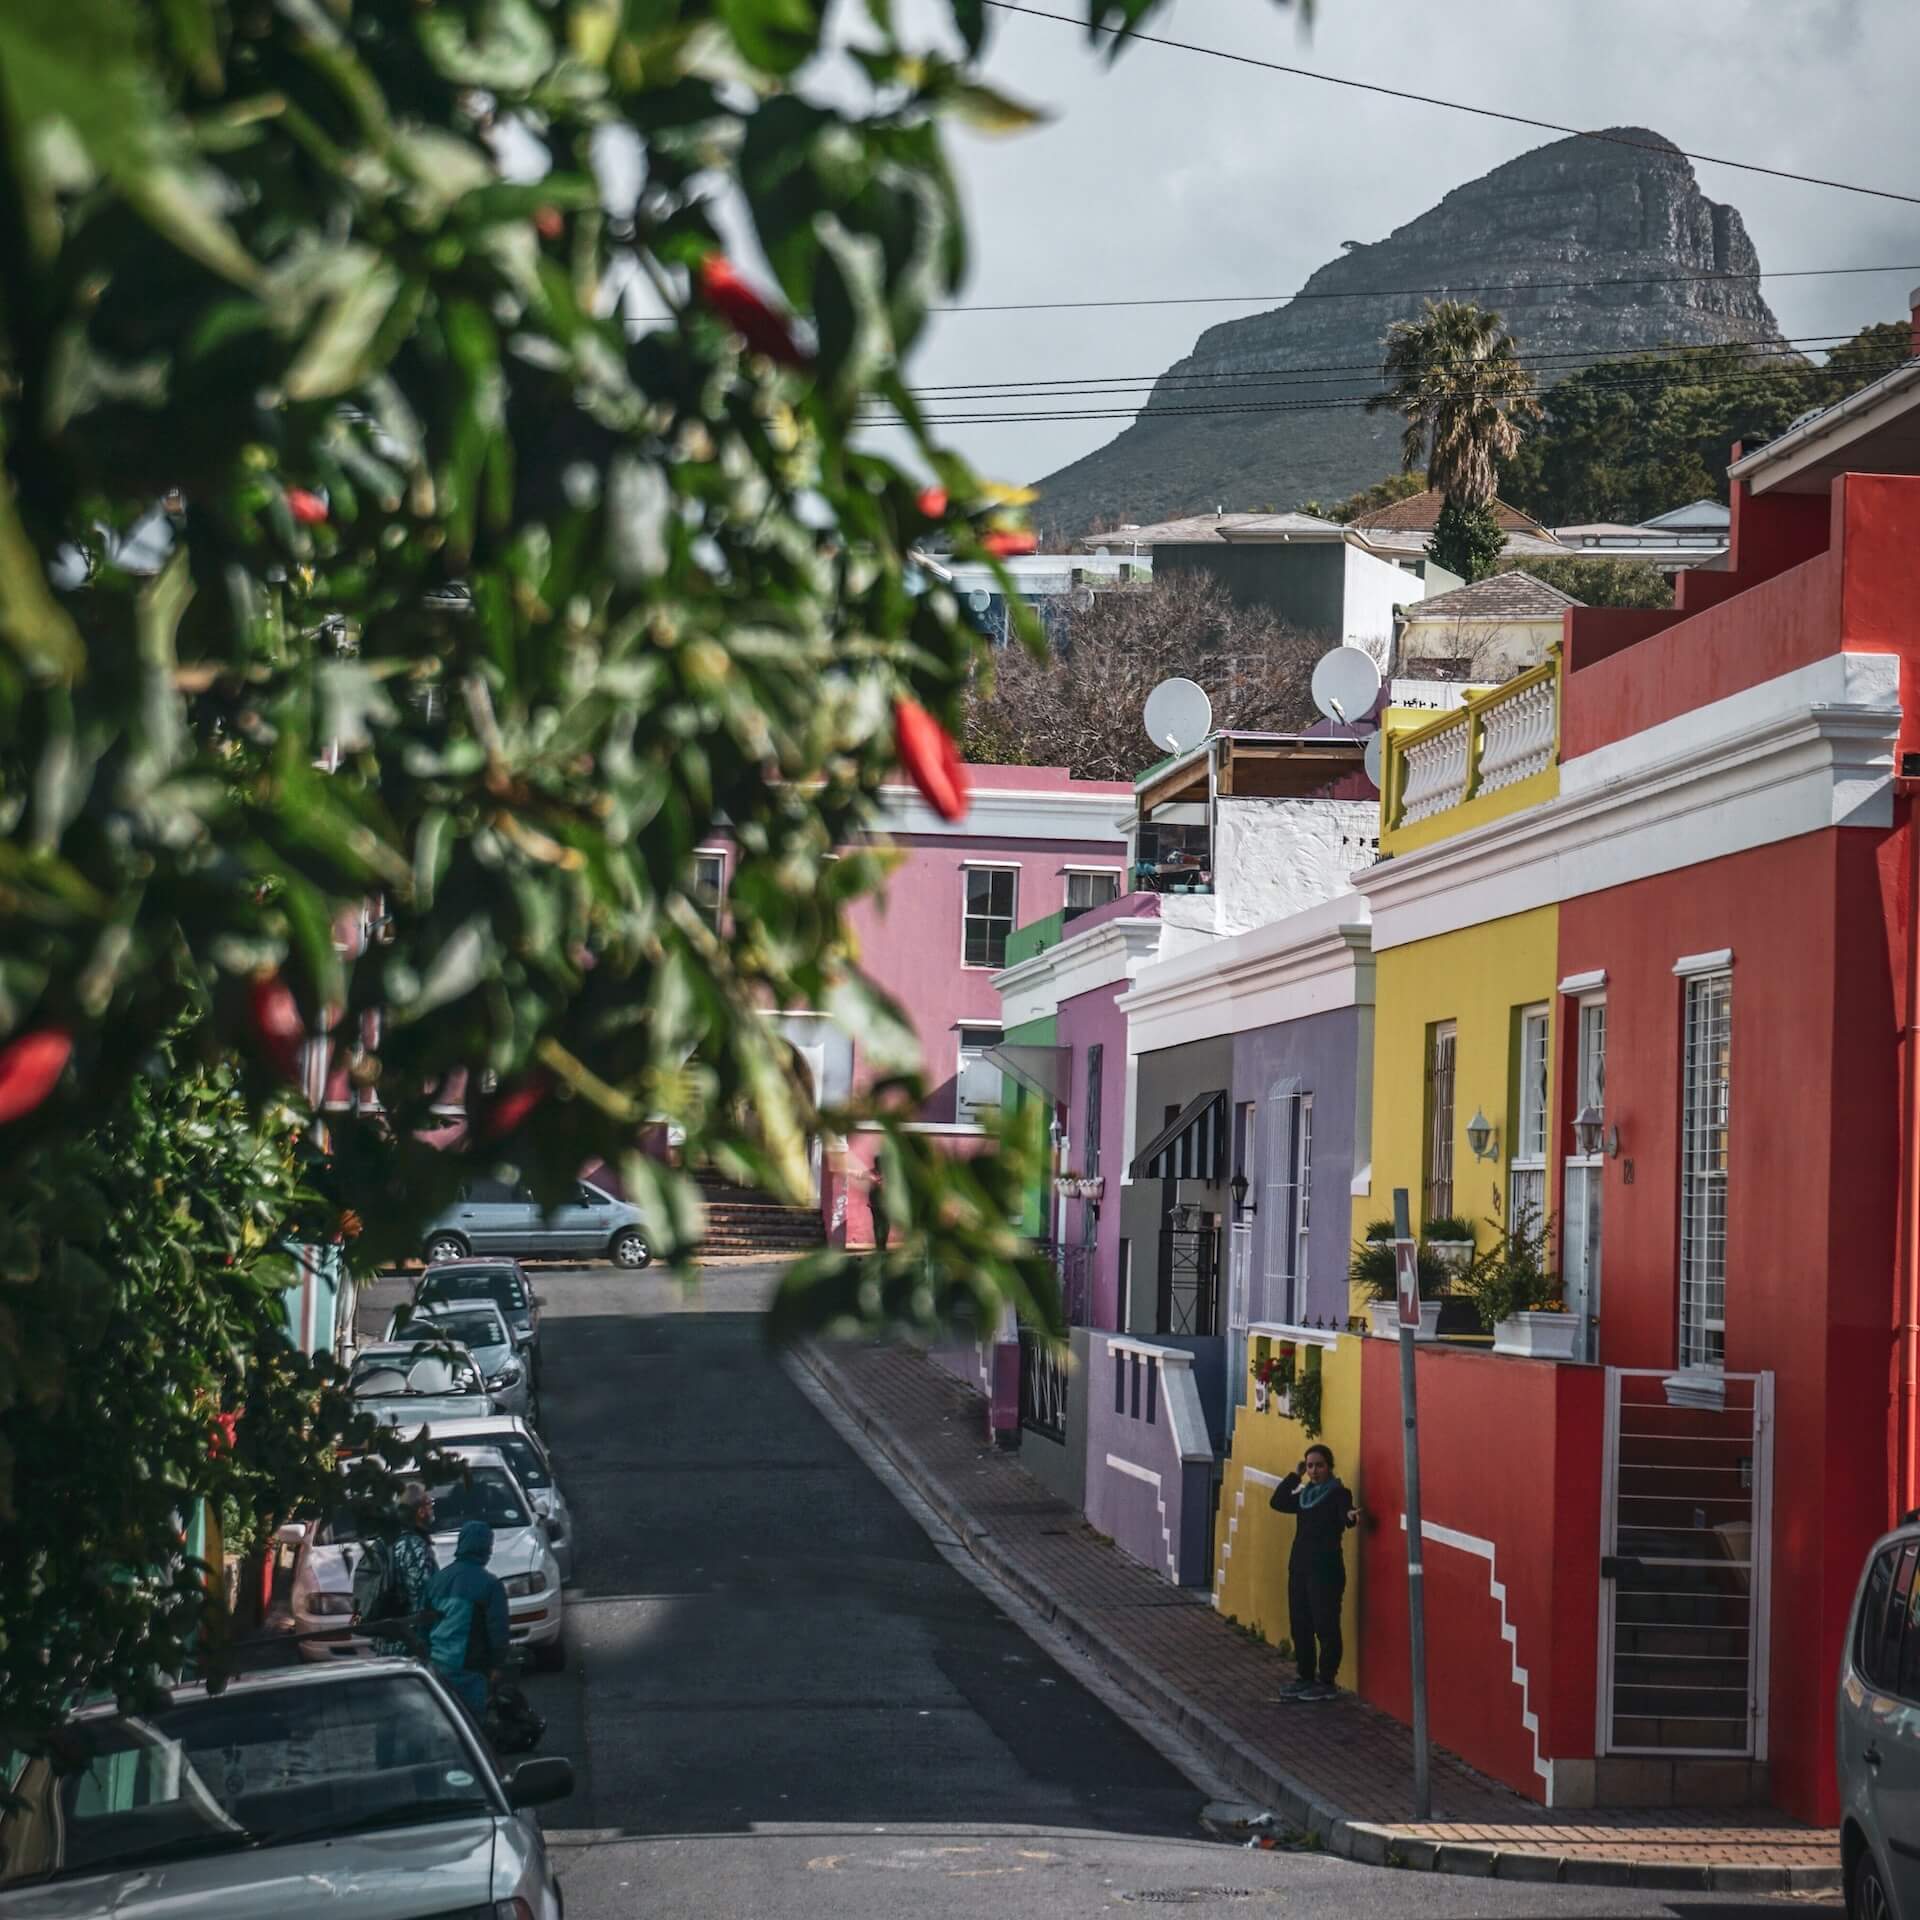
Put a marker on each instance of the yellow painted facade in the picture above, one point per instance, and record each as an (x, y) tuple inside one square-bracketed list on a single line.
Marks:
[(1251, 1541), (1480, 979)]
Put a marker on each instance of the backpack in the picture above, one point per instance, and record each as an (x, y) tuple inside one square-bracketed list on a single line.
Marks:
[(510, 1723), (377, 1592)]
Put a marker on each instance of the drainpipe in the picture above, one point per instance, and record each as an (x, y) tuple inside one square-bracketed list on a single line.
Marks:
[(1907, 1413)]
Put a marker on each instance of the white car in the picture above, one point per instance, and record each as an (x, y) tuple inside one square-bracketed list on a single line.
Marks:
[(401, 1386), (322, 1597), (478, 1328), (359, 1789), (531, 1464)]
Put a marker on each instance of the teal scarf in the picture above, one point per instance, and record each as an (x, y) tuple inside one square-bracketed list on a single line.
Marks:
[(1312, 1492)]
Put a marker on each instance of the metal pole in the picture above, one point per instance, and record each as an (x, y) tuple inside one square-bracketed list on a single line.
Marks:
[(1416, 1544)]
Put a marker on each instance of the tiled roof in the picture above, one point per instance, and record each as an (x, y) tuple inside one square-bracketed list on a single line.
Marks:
[(1501, 596), (1411, 541), (1189, 528), (1282, 526), (1420, 512)]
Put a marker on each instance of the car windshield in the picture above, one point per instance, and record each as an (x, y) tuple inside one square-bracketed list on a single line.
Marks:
[(253, 1768), (390, 1375), (472, 1328), (520, 1454), (483, 1492), (501, 1285)]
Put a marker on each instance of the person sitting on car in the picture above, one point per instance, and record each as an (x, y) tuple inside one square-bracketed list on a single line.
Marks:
[(470, 1638)]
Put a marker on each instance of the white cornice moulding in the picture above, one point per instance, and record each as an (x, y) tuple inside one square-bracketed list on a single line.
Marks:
[(997, 813), (1809, 750), (1584, 982), (1104, 956), (1318, 961), (1718, 961)]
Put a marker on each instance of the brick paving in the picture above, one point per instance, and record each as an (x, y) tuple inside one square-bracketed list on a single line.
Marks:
[(1348, 1762)]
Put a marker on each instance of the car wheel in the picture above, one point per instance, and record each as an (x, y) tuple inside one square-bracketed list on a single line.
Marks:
[(444, 1247), (630, 1249), (1867, 1897), (552, 1658)]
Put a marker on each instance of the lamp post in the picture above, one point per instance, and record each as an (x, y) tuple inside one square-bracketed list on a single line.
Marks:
[(1237, 1186)]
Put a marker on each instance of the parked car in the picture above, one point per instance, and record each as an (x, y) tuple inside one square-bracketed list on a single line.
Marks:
[(492, 1217), (531, 1465), (401, 1386), (292, 1792), (500, 1280), (1877, 1739), (481, 1328), (322, 1598)]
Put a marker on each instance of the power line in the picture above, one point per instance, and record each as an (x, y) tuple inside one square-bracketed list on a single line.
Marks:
[(1459, 106), (1568, 358)]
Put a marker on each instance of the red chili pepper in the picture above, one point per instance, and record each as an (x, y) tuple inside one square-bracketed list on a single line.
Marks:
[(1003, 545), (221, 1441), (278, 1030), (308, 509), (930, 757), (933, 502), (515, 1106), (30, 1068), (718, 284)]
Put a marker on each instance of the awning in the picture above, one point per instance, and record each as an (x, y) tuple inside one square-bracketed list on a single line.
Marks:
[(1192, 1146), (1041, 1070)]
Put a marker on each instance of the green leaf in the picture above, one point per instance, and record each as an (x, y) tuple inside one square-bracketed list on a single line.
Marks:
[(510, 52), (987, 110), (773, 35), (337, 353)]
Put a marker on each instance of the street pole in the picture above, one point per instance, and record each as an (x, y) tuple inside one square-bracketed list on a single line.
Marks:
[(1408, 1287)]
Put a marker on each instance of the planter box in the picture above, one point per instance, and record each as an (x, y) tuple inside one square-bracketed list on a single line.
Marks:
[(1385, 1316), (1455, 1255), (1542, 1336)]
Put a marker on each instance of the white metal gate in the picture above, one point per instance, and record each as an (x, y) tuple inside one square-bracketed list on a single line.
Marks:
[(1686, 1512), (1239, 1288)]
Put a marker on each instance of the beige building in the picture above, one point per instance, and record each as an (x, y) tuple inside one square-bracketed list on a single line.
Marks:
[(1485, 633)]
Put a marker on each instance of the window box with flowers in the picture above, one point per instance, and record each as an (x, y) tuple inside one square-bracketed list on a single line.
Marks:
[(1372, 1270), (1517, 1294), (1449, 1241), (1285, 1384)]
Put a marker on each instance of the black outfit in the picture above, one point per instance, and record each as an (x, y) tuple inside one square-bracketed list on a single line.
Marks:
[(1316, 1576)]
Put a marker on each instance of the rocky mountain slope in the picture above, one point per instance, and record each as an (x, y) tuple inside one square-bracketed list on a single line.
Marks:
[(1578, 210)]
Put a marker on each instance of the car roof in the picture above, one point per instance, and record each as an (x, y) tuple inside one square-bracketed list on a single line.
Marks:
[(474, 1263), (471, 1304), (481, 1423), (266, 1679)]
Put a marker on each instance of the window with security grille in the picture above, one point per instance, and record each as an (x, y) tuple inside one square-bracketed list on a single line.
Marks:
[(1582, 1195), (992, 897), (1091, 1132), (1527, 1167), (709, 886), (1437, 1199), (1288, 1197), (1087, 890), (1703, 1171)]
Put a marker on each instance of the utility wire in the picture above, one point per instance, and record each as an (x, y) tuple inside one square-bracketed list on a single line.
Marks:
[(1459, 106)]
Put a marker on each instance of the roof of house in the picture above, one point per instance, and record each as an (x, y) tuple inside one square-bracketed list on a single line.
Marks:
[(1183, 531), (1282, 526), (1420, 513), (1697, 516), (1501, 596), (1394, 542)]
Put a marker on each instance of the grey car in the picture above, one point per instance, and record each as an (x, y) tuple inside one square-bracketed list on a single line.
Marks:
[(1877, 1736), (493, 1217), (358, 1788), (481, 1328), (498, 1279)]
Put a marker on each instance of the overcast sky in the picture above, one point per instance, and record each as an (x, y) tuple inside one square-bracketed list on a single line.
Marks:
[(1171, 173)]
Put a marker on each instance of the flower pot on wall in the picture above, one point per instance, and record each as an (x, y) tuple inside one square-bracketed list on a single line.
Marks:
[(1540, 1336), (1385, 1316)]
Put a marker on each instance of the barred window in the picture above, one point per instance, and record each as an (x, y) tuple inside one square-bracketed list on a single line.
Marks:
[(1703, 1171), (1441, 1042)]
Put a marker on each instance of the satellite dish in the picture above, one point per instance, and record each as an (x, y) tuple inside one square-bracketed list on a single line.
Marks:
[(979, 599), (1372, 760), (1179, 715), (1346, 683)]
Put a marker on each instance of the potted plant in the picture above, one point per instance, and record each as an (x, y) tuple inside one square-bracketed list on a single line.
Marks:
[(1067, 1185), (1372, 1269), (1094, 1188), (1450, 1240), (1517, 1294)]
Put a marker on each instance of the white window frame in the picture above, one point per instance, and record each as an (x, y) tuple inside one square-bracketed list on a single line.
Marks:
[(1303, 1199), (968, 868), (719, 856), (1582, 1174), (966, 1111), (1438, 1171), (1527, 1163), (1706, 1029), (1286, 1197), (1071, 874)]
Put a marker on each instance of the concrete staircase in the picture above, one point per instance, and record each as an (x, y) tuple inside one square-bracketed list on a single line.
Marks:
[(745, 1223)]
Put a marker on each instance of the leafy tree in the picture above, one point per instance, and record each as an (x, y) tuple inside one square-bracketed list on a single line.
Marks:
[(1455, 377), (1383, 493), (355, 553), (1467, 539), (1080, 707), (1599, 581)]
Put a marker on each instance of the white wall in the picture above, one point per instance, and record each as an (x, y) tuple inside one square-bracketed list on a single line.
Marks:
[(1272, 858), (1374, 587)]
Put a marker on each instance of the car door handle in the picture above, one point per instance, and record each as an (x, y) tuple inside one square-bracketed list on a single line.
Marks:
[(1872, 1755)]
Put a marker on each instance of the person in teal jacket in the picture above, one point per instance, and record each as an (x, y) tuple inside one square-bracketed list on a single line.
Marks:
[(469, 1642)]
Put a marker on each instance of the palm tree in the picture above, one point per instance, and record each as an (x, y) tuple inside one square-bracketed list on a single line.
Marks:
[(1456, 378)]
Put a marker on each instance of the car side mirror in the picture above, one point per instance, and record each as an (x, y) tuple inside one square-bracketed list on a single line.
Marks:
[(539, 1782)]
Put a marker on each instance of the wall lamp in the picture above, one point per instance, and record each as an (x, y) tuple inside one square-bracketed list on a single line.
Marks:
[(1591, 1134), (1483, 1137), (1237, 1186)]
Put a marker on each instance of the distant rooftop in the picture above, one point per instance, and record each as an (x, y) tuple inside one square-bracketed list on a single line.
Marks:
[(1420, 513), (1183, 531), (1501, 596), (1282, 526), (1697, 516)]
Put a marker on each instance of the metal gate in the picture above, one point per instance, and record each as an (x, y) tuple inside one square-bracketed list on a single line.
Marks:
[(1686, 1511), (1239, 1291)]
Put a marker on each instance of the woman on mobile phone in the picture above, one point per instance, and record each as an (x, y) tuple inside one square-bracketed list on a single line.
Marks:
[(1322, 1510)]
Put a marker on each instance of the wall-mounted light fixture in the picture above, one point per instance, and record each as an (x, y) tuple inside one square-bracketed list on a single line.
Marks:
[(1237, 1186), (1483, 1137), (1591, 1134)]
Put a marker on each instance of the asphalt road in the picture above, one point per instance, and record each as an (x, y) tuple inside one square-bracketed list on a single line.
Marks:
[(784, 1698)]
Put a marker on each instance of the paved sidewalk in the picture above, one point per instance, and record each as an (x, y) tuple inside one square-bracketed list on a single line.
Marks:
[(1339, 1770)]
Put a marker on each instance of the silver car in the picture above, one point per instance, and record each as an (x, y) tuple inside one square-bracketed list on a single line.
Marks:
[(496, 1278), (532, 1466), (481, 1328), (359, 1788), (402, 1386), (493, 1217), (1877, 1738)]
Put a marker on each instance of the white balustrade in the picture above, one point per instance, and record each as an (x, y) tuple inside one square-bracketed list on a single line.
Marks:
[(1517, 734), (1435, 775)]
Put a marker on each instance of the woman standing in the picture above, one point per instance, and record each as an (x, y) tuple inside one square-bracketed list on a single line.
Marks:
[(1323, 1510)]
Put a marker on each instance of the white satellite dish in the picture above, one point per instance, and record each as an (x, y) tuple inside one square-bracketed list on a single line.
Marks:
[(1373, 759), (1346, 683), (1179, 715), (979, 599)]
